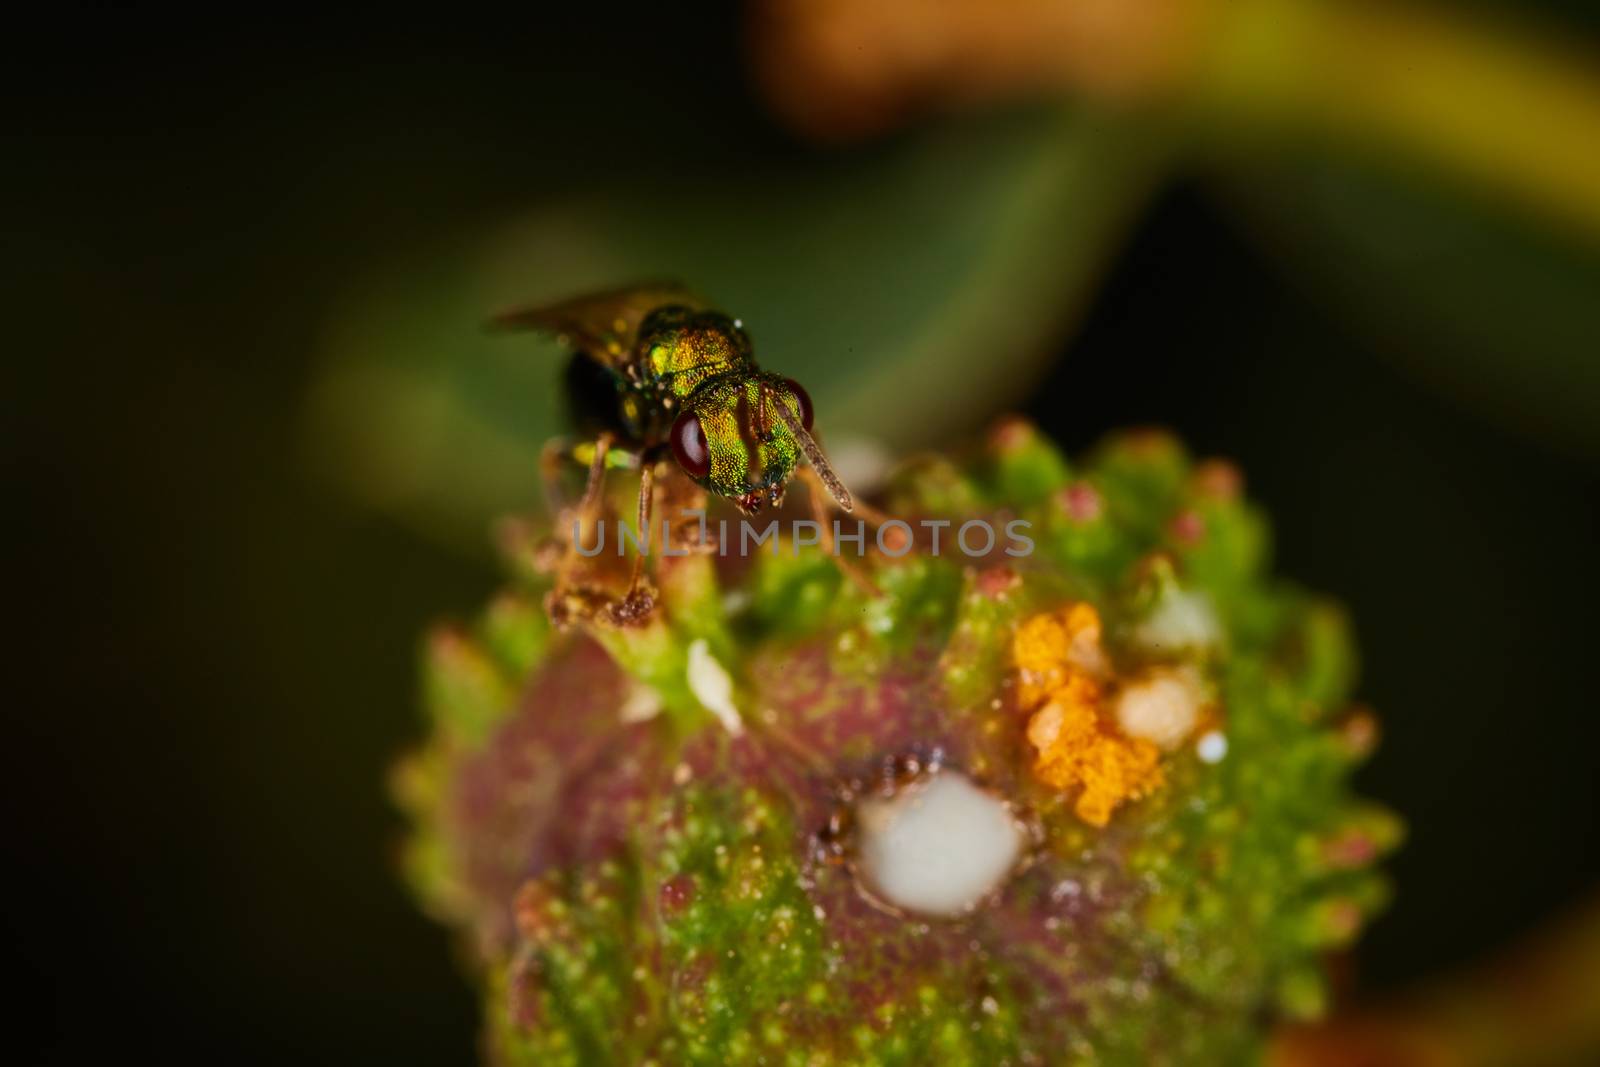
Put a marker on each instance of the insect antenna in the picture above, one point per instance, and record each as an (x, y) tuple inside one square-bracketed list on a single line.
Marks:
[(818, 461)]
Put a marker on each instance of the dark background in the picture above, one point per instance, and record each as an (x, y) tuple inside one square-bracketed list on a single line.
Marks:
[(216, 653)]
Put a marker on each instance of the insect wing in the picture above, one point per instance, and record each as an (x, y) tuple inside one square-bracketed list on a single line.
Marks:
[(605, 325)]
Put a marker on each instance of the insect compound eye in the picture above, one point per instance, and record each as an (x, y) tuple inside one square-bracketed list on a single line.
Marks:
[(689, 446), (804, 399)]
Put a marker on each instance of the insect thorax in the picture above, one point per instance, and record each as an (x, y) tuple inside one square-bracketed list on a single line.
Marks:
[(680, 350)]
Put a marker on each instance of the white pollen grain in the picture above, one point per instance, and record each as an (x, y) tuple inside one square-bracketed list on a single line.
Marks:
[(1162, 705), (938, 846), (1212, 746), (712, 686)]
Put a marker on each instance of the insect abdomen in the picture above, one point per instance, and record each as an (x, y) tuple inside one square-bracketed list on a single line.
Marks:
[(595, 395)]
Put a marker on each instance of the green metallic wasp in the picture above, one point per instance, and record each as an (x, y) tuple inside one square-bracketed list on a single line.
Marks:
[(657, 373)]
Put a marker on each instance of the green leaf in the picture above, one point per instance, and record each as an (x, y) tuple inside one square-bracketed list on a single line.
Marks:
[(1486, 306)]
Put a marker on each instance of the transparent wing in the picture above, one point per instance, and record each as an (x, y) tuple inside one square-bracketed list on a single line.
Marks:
[(604, 326)]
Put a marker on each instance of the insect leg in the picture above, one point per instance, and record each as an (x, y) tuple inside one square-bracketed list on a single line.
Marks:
[(590, 455), (597, 476), (638, 602), (569, 598), (552, 457), (646, 494)]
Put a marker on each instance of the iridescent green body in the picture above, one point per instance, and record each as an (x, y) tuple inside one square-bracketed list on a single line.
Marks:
[(702, 361), (649, 356)]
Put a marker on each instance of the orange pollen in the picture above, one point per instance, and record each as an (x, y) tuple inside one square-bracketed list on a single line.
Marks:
[(1061, 667)]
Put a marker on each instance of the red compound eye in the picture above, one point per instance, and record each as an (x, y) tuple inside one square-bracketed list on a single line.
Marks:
[(689, 446), (805, 401)]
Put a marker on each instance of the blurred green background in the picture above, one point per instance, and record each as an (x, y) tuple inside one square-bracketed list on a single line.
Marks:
[(255, 438)]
